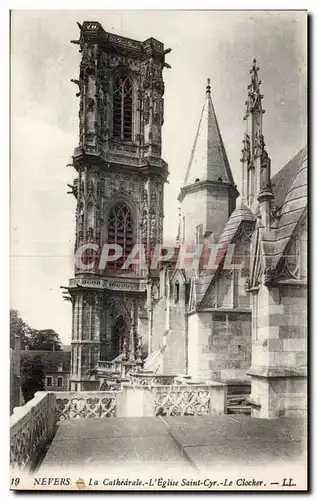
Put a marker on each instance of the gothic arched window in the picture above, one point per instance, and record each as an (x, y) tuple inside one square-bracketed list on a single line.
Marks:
[(122, 108), (176, 291), (120, 231), (119, 335)]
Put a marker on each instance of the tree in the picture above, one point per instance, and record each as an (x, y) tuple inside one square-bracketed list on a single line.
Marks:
[(45, 340), (18, 327), (32, 376)]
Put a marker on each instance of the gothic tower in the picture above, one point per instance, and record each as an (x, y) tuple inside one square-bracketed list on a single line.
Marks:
[(119, 190), (208, 196), (256, 165)]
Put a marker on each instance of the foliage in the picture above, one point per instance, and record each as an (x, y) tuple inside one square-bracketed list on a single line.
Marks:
[(36, 340), (45, 340), (32, 376), (18, 328)]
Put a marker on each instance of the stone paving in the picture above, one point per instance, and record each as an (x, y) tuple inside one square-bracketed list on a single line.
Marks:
[(186, 442)]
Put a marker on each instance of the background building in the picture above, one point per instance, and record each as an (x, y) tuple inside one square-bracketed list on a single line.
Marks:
[(56, 367)]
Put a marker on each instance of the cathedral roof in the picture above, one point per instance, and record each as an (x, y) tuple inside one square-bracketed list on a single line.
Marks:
[(208, 160), (241, 214), (290, 197), (294, 190), (282, 181)]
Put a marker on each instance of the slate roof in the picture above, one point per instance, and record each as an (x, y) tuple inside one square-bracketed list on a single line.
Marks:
[(241, 214), (290, 196), (208, 160), (51, 360), (283, 179), (294, 191)]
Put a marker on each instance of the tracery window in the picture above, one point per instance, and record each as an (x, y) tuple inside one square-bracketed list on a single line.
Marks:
[(120, 231), (119, 335), (122, 108)]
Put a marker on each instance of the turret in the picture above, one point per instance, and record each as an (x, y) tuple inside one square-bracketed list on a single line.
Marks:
[(208, 195)]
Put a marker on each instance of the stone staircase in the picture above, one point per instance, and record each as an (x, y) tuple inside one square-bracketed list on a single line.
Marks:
[(237, 398)]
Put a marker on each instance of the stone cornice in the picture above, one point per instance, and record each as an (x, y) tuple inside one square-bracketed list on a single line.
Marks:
[(110, 162), (277, 371), (220, 310), (92, 32), (113, 284), (197, 186)]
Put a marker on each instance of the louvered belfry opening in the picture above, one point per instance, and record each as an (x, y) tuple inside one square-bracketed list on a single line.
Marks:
[(120, 231), (122, 108)]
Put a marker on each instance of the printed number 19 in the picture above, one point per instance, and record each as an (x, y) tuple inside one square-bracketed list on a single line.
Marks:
[(15, 481)]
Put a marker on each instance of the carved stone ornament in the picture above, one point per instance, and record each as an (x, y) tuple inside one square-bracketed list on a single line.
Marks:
[(90, 104), (246, 153), (269, 275), (146, 110)]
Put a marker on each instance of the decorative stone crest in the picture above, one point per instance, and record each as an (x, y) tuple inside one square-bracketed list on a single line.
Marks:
[(246, 152)]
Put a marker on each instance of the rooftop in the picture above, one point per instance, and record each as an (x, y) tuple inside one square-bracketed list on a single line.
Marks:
[(208, 160), (176, 443)]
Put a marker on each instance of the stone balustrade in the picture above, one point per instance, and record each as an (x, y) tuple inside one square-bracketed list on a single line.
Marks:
[(34, 424), (31, 427), (143, 378), (173, 400), (182, 400), (85, 404), (106, 366), (119, 367)]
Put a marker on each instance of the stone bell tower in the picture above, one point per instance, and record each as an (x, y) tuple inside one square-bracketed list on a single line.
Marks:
[(119, 187)]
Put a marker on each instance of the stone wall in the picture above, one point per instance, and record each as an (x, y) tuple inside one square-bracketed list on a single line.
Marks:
[(174, 357), (219, 345), (159, 325), (279, 351), (54, 379), (194, 209), (210, 206)]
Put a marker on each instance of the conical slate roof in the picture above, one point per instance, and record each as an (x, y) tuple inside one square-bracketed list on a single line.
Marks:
[(208, 160)]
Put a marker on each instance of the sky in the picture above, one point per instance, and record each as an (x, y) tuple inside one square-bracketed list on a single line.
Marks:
[(44, 121)]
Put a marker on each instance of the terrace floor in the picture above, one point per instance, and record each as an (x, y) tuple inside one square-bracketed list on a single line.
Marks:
[(187, 442)]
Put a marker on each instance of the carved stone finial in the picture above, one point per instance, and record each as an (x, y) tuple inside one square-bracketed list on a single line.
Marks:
[(254, 95), (208, 86)]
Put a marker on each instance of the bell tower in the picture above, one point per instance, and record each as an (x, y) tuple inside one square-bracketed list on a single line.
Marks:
[(119, 188)]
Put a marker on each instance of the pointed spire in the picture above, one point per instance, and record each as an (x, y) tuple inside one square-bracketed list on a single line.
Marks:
[(178, 236), (208, 160), (254, 94), (208, 86)]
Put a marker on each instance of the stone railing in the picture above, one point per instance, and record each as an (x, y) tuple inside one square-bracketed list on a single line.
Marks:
[(107, 366), (143, 378), (31, 427), (183, 400), (173, 400), (116, 367), (85, 404)]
